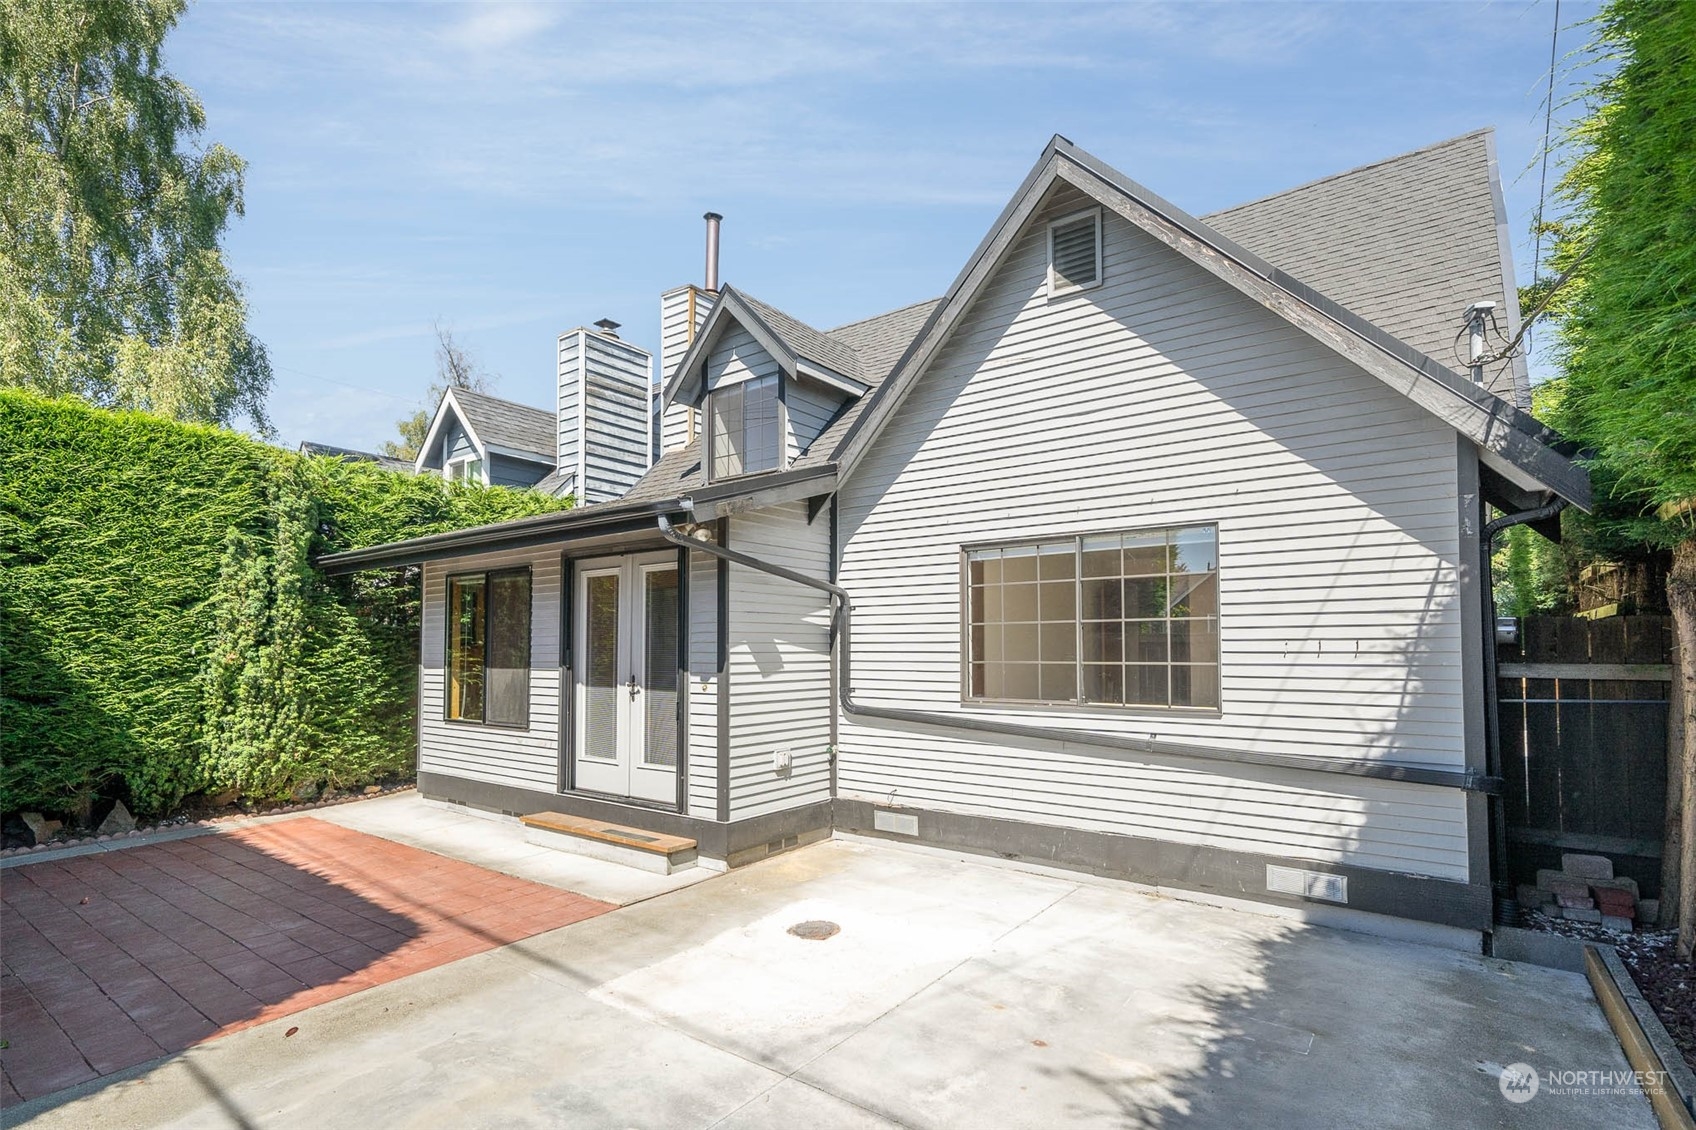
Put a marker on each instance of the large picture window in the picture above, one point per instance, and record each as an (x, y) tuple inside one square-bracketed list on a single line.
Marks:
[(744, 422), (1123, 619), (488, 662)]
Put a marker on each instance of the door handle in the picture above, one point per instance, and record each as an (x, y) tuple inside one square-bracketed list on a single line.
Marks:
[(633, 686)]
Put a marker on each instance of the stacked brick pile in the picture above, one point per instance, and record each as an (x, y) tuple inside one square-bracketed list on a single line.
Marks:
[(1586, 890)]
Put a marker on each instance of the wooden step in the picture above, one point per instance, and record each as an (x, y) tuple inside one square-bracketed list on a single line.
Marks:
[(651, 851)]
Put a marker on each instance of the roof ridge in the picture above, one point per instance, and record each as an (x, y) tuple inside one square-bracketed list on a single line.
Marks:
[(1351, 172), (457, 390), (885, 314)]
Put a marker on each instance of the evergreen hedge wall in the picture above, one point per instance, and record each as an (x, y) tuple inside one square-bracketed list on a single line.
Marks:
[(162, 632)]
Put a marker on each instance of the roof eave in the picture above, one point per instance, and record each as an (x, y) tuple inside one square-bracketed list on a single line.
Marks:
[(563, 526)]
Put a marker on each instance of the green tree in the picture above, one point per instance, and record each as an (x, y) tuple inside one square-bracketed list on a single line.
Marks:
[(112, 284), (1627, 331), (455, 368)]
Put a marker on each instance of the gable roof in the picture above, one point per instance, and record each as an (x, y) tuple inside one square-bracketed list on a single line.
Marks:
[(878, 343), (796, 347), (1511, 439), (1406, 243), (503, 427)]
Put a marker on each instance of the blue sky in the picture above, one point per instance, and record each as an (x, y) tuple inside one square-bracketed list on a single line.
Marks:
[(518, 170)]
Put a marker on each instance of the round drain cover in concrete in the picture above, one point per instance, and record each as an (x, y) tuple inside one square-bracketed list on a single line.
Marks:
[(816, 930)]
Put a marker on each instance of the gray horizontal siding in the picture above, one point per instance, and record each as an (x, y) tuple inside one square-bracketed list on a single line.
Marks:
[(523, 758), (779, 664), (736, 356), (456, 444), (810, 409), (618, 378), (605, 435), (569, 402), (1163, 398), (703, 686), (505, 471)]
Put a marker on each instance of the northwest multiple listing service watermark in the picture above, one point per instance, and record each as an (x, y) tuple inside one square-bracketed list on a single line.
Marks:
[(1520, 1082)]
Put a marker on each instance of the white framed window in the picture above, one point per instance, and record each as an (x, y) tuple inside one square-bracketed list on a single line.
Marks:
[(745, 424), (1074, 252), (468, 470), (1127, 619)]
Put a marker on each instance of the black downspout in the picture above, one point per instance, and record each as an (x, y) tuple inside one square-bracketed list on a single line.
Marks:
[(1492, 711), (1468, 780)]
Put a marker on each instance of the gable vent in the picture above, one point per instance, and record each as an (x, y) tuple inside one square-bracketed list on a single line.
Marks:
[(1074, 252)]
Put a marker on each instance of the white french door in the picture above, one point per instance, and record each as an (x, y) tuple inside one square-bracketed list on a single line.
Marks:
[(626, 686)]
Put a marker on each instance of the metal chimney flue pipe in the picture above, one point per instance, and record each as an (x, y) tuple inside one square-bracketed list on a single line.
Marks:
[(713, 219)]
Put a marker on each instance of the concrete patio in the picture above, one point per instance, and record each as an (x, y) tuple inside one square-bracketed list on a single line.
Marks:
[(958, 992)]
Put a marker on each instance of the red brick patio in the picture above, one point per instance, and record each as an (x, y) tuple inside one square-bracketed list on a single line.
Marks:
[(116, 958)]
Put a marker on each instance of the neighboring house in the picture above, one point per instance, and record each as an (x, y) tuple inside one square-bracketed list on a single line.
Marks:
[(1163, 538), (595, 445), (477, 438), (388, 463)]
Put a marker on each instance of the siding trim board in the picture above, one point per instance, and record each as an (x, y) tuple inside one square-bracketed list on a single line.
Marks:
[(567, 676), (683, 624), (723, 642), (1192, 867), (740, 842), (1477, 618)]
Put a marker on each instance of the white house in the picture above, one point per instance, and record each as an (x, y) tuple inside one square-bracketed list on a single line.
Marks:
[(1154, 548)]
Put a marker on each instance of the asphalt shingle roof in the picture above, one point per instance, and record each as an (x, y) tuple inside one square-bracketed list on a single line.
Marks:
[(557, 483), (506, 423), (804, 341), (1406, 243), (387, 462)]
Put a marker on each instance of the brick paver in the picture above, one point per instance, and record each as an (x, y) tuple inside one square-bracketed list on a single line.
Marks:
[(114, 959)]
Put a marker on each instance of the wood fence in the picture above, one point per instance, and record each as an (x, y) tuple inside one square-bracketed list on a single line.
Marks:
[(1583, 709)]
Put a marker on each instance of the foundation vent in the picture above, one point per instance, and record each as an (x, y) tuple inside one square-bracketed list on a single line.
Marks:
[(1307, 884), (901, 823)]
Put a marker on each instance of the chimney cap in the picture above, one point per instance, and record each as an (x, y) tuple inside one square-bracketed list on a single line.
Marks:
[(608, 327), (712, 216)]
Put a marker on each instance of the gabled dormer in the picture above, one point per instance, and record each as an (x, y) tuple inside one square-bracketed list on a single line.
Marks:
[(477, 438), (765, 386)]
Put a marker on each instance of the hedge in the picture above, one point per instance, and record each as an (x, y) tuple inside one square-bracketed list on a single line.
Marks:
[(162, 631)]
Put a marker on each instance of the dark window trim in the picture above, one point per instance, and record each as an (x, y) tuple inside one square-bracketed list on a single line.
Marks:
[(1076, 706), (567, 674), (487, 575)]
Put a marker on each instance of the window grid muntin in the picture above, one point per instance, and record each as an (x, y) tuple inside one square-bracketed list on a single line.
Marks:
[(1157, 679), (754, 442)]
